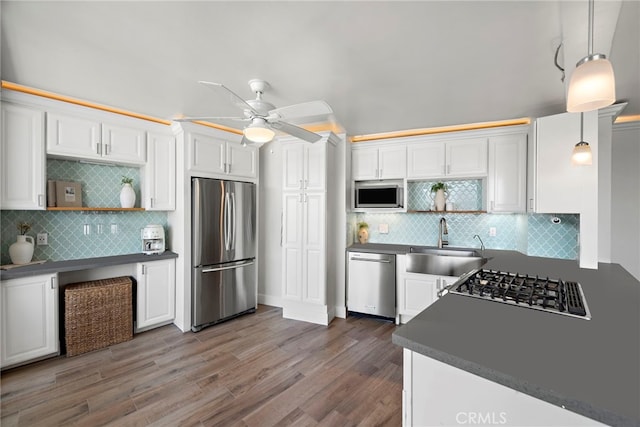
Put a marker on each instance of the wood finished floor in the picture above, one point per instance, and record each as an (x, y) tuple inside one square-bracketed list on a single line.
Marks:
[(257, 370)]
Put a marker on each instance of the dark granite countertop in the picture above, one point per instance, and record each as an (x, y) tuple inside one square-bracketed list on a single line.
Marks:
[(591, 367), (81, 264)]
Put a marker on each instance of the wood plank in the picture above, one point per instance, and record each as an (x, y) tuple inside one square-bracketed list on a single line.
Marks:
[(256, 370)]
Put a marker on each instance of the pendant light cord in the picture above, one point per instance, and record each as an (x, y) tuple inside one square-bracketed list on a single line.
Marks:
[(590, 35), (581, 127)]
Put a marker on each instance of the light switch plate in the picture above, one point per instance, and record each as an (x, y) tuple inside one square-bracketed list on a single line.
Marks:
[(383, 228), (492, 231), (42, 239)]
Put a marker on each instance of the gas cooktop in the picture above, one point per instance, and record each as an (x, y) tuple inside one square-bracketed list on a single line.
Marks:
[(550, 295)]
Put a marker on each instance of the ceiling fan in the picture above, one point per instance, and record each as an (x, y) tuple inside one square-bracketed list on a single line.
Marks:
[(263, 117)]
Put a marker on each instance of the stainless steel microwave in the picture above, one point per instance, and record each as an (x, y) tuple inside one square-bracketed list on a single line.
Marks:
[(379, 195)]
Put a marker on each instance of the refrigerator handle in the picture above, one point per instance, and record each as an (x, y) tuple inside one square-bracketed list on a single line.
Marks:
[(228, 267), (232, 218), (226, 221)]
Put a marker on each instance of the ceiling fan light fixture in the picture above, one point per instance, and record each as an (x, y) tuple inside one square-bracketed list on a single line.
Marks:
[(592, 85), (258, 131)]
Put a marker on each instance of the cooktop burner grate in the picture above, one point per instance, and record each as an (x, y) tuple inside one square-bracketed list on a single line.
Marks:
[(540, 293)]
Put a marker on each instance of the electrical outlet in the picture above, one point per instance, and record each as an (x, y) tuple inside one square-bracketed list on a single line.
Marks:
[(492, 231), (42, 239), (383, 228)]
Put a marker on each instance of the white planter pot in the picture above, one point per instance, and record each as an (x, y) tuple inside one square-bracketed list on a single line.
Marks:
[(21, 251), (440, 200), (127, 196)]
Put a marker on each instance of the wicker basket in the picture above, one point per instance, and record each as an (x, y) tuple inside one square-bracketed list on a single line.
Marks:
[(97, 314)]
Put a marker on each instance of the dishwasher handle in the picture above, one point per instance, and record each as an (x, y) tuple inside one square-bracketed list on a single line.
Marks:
[(382, 261)]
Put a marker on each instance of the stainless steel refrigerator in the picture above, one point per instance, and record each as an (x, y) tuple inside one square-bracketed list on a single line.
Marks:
[(223, 236)]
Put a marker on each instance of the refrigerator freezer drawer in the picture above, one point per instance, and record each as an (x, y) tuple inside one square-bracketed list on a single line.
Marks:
[(221, 292)]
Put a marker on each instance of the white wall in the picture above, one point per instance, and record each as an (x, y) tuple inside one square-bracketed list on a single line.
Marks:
[(625, 197)]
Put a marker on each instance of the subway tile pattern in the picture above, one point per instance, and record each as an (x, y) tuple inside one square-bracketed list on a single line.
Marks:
[(101, 184), (66, 232), (531, 234), (466, 195)]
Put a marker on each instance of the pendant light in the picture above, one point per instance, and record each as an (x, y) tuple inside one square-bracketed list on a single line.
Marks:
[(592, 84), (582, 151)]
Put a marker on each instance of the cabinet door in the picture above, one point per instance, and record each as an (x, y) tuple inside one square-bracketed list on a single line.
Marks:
[(506, 183), (242, 161), (292, 167), (392, 162), (206, 154), (466, 157), (315, 166), (364, 164), (160, 173), (72, 136), (22, 158), (124, 144), (425, 160), (29, 319), (156, 293), (419, 292), (314, 248), (292, 237), (561, 187)]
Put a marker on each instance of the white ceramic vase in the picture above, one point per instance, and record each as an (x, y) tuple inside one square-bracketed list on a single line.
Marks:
[(127, 196), (21, 251), (440, 200)]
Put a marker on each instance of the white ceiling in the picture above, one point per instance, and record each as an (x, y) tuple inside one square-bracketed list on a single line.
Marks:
[(382, 65)]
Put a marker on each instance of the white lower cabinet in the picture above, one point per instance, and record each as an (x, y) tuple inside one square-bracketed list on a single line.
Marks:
[(156, 293), (416, 291), (437, 394), (29, 319)]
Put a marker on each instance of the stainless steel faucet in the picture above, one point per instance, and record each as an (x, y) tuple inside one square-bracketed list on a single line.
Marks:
[(481, 242), (443, 233)]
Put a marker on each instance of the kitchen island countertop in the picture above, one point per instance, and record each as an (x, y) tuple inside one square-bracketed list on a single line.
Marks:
[(591, 367)]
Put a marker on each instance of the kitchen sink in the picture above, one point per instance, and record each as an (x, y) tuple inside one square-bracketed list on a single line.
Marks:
[(443, 261)]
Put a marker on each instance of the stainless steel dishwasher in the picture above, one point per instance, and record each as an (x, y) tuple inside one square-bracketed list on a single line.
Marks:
[(371, 283)]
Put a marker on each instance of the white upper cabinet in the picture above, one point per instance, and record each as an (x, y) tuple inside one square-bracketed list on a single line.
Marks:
[(22, 158), (378, 162), (556, 185), (456, 158), (304, 167), (214, 156), (506, 182), (95, 136), (160, 173)]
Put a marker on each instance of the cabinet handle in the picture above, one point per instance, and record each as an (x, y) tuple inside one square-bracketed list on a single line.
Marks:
[(300, 198), (301, 187), (228, 167), (306, 184), (531, 204), (151, 201), (380, 173), (305, 198), (106, 149), (492, 205), (448, 169), (53, 283), (99, 148), (40, 199), (143, 270)]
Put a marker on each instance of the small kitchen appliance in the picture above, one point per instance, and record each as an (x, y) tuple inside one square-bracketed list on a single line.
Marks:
[(540, 293), (153, 239)]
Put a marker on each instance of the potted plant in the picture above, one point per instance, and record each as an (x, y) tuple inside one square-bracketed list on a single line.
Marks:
[(21, 251), (363, 232), (439, 188), (127, 193)]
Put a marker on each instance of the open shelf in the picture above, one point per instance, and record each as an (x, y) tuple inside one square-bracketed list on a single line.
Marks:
[(448, 212), (89, 208)]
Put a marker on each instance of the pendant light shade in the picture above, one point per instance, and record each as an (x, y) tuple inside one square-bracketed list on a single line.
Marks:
[(593, 83), (258, 131), (582, 151)]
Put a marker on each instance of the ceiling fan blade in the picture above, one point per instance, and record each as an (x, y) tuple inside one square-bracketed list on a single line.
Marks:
[(306, 109), (229, 95), (190, 119), (296, 131)]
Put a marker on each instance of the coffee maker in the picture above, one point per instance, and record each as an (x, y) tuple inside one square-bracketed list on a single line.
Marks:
[(153, 239)]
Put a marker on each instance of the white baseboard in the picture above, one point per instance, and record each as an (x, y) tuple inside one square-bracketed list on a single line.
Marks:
[(274, 301), (341, 312), (312, 313)]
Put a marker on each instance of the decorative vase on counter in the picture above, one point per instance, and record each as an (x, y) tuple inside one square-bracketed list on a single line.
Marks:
[(21, 251), (363, 235), (127, 196), (440, 200)]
